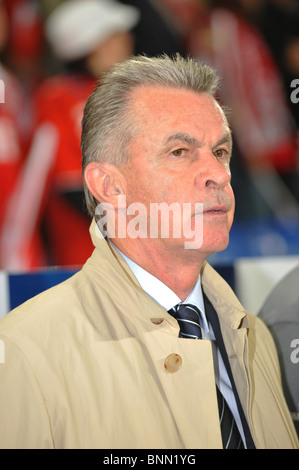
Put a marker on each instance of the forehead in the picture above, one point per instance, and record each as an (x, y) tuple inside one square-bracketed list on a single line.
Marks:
[(163, 104)]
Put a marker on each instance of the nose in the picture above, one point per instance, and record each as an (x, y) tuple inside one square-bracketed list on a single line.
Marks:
[(214, 172)]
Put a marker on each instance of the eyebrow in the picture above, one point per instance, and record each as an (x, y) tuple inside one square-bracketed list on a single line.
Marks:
[(226, 139), (183, 137), (188, 139)]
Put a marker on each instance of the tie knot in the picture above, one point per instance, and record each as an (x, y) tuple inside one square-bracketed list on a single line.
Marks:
[(188, 317)]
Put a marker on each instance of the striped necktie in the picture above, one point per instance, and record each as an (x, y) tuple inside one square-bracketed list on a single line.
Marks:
[(188, 317)]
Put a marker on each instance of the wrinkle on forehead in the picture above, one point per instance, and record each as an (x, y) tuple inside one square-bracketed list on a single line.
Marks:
[(180, 112)]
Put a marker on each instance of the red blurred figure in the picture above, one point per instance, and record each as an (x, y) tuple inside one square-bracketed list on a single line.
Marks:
[(87, 37), (12, 135)]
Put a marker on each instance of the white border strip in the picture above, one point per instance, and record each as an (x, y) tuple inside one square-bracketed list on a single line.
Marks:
[(4, 294)]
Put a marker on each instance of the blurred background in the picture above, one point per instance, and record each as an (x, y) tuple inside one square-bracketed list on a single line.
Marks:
[(53, 52)]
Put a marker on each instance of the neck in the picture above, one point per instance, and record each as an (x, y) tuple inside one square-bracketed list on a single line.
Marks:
[(177, 268)]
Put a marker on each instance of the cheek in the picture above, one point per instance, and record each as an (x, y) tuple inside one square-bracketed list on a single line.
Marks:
[(141, 190), (153, 188), (232, 211)]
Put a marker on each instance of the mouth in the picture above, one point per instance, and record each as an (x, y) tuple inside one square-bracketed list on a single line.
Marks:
[(217, 210)]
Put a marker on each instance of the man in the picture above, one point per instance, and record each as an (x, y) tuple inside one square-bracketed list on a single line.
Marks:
[(97, 361)]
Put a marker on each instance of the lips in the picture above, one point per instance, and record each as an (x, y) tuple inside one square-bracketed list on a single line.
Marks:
[(217, 209), (221, 205)]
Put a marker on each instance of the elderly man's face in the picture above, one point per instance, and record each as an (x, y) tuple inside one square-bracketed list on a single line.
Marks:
[(181, 155)]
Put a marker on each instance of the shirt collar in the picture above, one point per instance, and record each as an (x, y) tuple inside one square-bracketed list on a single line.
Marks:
[(162, 294)]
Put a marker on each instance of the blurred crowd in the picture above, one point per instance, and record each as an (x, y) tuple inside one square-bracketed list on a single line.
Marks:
[(53, 52)]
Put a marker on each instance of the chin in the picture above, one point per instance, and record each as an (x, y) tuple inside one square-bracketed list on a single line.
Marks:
[(215, 246)]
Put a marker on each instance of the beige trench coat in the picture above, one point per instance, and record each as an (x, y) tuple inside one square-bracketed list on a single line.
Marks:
[(95, 363)]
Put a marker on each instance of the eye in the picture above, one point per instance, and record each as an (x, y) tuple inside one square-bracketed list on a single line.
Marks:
[(179, 152), (221, 153)]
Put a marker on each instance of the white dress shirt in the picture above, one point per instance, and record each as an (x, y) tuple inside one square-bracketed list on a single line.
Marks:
[(165, 297)]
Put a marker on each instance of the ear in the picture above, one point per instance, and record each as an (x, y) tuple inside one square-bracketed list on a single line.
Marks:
[(105, 182)]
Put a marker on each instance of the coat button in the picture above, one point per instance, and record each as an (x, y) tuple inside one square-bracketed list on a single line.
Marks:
[(173, 362), (157, 321)]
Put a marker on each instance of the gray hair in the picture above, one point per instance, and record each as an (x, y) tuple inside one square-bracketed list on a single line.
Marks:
[(108, 127)]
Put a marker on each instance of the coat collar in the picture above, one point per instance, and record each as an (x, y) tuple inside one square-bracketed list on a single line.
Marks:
[(231, 313), (108, 260)]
